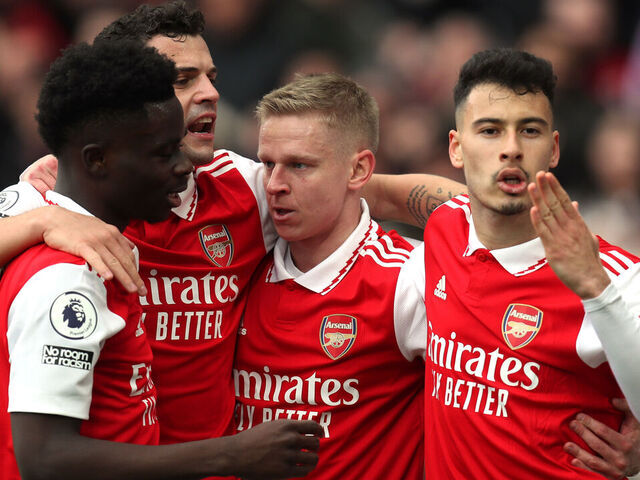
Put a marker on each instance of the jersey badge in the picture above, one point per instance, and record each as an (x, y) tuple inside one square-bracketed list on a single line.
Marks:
[(217, 244), (8, 199), (338, 334), (520, 324), (73, 316)]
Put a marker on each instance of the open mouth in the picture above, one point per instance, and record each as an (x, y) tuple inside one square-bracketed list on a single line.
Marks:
[(202, 125), (174, 199), (512, 181)]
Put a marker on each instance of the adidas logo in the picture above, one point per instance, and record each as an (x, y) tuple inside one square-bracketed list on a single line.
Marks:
[(440, 287)]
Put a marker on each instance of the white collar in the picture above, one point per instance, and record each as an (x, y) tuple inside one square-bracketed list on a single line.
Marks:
[(518, 260), (65, 202), (189, 199), (328, 273)]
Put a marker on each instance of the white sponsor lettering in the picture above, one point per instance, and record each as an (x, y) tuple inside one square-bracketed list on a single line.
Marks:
[(475, 361), (209, 290), (201, 325), (149, 417), (142, 372), (246, 416), (312, 390)]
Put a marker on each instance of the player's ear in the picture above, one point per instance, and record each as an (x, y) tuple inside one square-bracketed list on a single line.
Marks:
[(555, 152), (362, 166), (455, 149), (93, 159)]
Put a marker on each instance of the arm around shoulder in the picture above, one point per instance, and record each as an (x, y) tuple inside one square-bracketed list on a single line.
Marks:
[(22, 231), (409, 198)]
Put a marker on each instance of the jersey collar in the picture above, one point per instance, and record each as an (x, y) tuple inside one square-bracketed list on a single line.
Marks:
[(189, 199), (56, 198), (518, 260), (326, 275)]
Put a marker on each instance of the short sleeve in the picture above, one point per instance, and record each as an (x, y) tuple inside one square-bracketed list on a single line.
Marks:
[(410, 316), (57, 326), (20, 198)]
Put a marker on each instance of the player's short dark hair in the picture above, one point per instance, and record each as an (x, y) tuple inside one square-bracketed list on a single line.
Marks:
[(519, 71), (100, 83), (173, 19)]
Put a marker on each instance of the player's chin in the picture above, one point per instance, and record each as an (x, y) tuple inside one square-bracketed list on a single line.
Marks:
[(200, 152)]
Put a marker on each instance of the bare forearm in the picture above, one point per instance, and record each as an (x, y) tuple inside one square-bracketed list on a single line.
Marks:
[(61, 449), (409, 198), (278, 449), (21, 232)]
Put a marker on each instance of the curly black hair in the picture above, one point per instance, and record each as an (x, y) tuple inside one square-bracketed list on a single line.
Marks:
[(89, 83), (173, 19), (520, 71)]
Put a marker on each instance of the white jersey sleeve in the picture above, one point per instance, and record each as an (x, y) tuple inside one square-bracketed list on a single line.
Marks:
[(57, 325), (410, 316), (615, 316), (20, 198), (253, 172)]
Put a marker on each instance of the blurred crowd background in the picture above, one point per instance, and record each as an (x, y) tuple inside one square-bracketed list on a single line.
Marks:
[(406, 52)]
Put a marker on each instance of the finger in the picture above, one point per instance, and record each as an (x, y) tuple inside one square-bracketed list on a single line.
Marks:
[(601, 431), (127, 274), (107, 266), (306, 458), (537, 221), (121, 260), (308, 427), (309, 442), (593, 441), (565, 205), (537, 193), (621, 404), (95, 261), (587, 461)]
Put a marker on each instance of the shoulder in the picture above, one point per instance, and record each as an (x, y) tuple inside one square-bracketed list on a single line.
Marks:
[(616, 260), (386, 249)]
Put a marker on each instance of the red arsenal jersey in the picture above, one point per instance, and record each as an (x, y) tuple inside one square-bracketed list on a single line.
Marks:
[(334, 345), (511, 356), (77, 349), (196, 266)]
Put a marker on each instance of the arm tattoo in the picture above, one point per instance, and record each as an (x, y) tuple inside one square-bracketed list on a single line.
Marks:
[(421, 203)]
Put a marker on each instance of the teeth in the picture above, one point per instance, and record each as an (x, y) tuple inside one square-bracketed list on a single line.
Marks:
[(206, 120)]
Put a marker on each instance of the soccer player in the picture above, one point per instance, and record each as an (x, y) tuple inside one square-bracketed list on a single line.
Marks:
[(164, 248), (196, 264), (527, 317), (326, 334), (75, 363)]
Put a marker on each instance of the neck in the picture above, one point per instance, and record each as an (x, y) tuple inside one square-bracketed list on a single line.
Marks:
[(496, 230), (89, 198), (308, 253)]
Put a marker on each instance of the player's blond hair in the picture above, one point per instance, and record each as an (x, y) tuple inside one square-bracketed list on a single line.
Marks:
[(343, 104)]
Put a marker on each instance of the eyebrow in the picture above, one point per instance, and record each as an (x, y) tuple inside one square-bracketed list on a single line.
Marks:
[(194, 69), (539, 120)]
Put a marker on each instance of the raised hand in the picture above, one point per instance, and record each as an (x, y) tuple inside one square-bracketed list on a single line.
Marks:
[(570, 248)]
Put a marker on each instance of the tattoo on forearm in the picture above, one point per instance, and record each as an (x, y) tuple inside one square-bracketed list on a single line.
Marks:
[(421, 203)]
